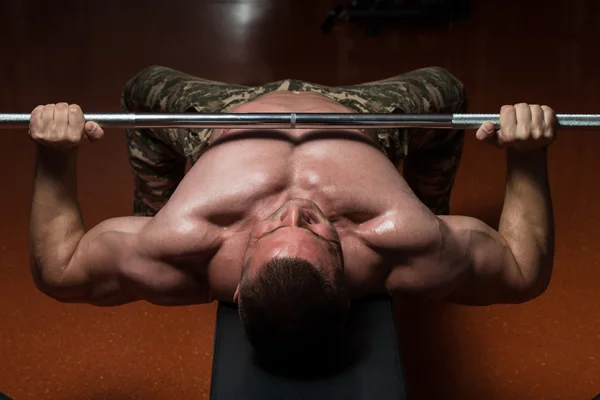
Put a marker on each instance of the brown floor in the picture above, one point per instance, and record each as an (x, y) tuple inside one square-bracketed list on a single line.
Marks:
[(509, 51)]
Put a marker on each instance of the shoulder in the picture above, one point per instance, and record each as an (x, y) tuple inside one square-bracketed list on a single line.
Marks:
[(173, 235), (403, 230), (166, 263)]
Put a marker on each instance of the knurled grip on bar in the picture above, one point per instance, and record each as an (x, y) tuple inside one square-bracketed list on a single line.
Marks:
[(300, 120), (474, 121)]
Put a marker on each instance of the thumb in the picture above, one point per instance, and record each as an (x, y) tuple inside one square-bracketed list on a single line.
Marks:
[(486, 132), (93, 131)]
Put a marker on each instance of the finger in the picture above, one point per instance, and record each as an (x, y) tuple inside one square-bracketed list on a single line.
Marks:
[(47, 119), (35, 119), (35, 123), (551, 123), (538, 124), (508, 124), (93, 131), (76, 121), (523, 121), (486, 132), (61, 120)]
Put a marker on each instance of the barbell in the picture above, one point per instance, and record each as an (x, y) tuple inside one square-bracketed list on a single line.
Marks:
[(299, 120)]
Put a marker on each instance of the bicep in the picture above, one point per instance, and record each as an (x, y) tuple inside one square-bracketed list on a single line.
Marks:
[(489, 272), (460, 259), (119, 262), (95, 273)]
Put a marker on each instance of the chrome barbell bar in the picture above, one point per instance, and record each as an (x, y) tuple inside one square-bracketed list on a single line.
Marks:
[(299, 120)]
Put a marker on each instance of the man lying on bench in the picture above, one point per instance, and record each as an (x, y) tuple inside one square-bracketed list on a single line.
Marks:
[(292, 224)]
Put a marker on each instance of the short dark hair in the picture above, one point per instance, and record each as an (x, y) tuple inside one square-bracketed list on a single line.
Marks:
[(291, 310)]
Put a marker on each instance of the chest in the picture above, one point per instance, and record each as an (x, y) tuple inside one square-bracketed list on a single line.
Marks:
[(344, 176)]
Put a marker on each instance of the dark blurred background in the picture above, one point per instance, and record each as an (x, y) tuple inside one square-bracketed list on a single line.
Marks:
[(505, 51)]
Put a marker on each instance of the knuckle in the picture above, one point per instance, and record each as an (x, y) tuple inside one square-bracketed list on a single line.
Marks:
[(74, 108), (547, 109), (537, 124), (38, 136), (537, 133), (62, 105), (507, 135), (523, 132)]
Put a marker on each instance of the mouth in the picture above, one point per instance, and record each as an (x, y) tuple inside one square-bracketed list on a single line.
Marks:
[(287, 227), (334, 244)]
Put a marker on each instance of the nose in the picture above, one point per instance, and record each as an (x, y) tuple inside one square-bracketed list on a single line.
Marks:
[(294, 216)]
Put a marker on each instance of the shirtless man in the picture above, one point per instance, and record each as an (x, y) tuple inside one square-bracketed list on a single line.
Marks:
[(289, 224)]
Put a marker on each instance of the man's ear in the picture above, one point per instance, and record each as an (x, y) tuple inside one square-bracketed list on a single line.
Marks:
[(236, 294)]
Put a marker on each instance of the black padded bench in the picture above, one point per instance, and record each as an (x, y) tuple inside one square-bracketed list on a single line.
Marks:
[(373, 371)]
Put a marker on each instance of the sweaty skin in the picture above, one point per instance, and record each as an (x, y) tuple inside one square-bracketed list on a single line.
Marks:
[(252, 174), (303, 192)]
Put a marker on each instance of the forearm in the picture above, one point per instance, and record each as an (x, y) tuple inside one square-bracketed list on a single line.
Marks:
[(56, 225), (527, 222)]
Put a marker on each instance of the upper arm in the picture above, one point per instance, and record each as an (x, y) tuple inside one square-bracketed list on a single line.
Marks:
[(96, 271), (464, 260), (123, 260), (489, 272)]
